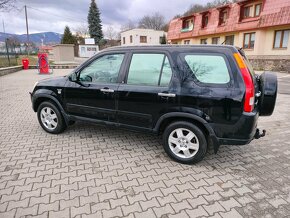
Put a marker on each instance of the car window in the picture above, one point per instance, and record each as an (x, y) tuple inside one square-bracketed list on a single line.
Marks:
[(208, 68), (103, 70), (149, 69)]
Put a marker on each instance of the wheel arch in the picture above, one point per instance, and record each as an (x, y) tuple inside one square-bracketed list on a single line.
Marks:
[(42, 97), (169, 118)]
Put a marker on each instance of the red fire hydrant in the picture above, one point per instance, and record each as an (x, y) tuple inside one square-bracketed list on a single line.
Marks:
[(25, 63)]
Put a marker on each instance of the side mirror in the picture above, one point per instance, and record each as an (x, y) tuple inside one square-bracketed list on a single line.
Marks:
[(73, 77)]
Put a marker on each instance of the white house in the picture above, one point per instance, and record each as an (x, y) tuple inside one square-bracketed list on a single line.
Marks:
[(142, 37)]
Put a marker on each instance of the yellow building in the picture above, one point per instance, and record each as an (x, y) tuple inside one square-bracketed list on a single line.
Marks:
[(260, 27)]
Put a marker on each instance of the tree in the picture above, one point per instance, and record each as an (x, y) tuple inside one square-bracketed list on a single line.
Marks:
[(95, 23), (111, 33), (81, 30), (6, 4), (128, 26), (67, 37), (156, 21)]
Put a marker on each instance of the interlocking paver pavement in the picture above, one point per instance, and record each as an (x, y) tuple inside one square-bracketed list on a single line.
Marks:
[(96, 171)]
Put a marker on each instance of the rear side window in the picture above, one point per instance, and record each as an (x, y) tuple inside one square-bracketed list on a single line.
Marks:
[(211, 69), (150, 70)]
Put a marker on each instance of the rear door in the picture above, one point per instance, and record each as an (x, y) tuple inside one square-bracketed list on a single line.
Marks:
[(144, 94), (208, 85)]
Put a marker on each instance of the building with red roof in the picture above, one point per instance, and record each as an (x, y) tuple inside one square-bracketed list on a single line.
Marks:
[(261, 27)]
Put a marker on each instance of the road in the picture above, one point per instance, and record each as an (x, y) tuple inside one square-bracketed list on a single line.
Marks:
[(284, 83), (97, 171)]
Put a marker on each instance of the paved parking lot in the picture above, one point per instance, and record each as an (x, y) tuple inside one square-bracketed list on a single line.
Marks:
[(95, 171)]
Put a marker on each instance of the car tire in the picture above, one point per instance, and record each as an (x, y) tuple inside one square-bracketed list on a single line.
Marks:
[(184, 142), (50, 118)]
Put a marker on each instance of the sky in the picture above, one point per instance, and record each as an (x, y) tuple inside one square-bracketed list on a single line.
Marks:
[(53, 15)]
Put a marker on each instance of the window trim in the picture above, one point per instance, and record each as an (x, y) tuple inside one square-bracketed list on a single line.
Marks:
[(281, 39), (214, 85), (249, 42), (130, 57)]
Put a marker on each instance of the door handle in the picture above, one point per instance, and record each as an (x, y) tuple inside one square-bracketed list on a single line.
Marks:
[(170, 95), (107, 90)]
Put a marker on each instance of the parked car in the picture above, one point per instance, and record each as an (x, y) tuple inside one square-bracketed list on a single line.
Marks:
[(194, 96)]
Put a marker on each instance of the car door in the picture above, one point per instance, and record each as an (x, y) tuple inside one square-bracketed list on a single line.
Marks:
[(144, 94), (93, 93)]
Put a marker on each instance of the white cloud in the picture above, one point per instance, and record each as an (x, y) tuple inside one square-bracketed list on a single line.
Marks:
[(53, 15)]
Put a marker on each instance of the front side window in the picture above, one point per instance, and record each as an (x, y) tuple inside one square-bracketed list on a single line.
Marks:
[(281, 38), (186, 42), (103, 70), (149, 70), (131, 39), (210, 69), (223, 16), (230, 40), (249, 40), (124, 40)]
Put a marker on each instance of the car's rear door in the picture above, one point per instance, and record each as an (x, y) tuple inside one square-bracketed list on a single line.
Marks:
[(144, 94)]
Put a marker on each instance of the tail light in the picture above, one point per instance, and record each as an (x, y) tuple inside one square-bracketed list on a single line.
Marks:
[(250, 89)]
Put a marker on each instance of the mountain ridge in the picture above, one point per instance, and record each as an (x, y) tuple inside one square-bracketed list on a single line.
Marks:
[(47, 37)]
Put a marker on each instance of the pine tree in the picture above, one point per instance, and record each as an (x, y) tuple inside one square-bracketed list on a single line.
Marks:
[(95, 23), (67, 37)]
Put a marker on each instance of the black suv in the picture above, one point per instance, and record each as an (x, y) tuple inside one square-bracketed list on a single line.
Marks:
[(195, 96)]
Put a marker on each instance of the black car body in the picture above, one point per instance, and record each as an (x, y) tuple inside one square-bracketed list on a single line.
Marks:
[(150, 88)]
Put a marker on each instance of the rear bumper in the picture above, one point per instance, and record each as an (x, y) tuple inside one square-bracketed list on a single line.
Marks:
[(241, 133)]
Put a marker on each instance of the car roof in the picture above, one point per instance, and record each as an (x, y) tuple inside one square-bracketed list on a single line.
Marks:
[(172, 47)]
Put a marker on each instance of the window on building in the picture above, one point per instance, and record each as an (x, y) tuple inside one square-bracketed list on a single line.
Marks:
[(281, 38), (223, 16), (124, 40), (230, 40), (131, 39), (187, 25), (247, 11), (249, 40), (205, 19), (149, 70), (215, 40), (210, 69), (203, 41), (143, 39), (186, 42), (257, 10)]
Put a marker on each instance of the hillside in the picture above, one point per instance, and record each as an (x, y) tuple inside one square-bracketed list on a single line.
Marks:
[(48, 37)]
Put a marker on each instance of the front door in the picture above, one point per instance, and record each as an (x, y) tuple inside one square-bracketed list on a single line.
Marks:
[(93, 95), (144, 95)]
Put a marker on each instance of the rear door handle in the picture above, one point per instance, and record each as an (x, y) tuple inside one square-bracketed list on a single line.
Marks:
[(107, 90), (169, 95)]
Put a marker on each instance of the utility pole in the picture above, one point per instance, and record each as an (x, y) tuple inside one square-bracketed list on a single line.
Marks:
[(6, 44), (27, 33)]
